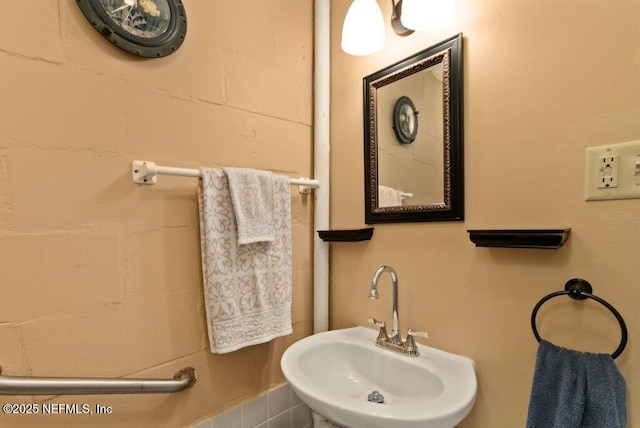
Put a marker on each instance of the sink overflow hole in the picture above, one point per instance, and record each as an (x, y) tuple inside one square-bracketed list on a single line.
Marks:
[(376, 397)]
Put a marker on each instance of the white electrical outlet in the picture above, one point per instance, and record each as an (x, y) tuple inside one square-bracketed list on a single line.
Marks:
[(613, 172), (608, 172)]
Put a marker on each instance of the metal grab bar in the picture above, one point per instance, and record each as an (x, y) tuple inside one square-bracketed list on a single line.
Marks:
[(15, 385)]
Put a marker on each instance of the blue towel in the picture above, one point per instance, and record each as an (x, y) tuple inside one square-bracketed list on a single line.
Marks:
[(574, 389)]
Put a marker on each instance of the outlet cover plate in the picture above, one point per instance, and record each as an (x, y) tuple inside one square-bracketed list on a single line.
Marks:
[(616, 164)]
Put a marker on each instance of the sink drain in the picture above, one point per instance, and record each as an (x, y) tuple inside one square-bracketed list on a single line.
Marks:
[(375, 397)]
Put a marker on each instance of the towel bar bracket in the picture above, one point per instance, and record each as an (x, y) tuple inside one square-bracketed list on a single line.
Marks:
[(144, 172), (302, 189)]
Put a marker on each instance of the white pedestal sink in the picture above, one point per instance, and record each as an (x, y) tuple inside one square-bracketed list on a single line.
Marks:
[(335, 372)]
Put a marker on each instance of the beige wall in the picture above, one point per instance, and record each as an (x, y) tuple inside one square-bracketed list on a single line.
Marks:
[(100, 276), (542, 81)]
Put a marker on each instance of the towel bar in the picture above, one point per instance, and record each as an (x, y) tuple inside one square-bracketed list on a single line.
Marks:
[(145, 172), (580, 289), (14, 385)]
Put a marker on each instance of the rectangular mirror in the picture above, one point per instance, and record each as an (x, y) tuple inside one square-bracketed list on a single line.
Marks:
[(413, 138)]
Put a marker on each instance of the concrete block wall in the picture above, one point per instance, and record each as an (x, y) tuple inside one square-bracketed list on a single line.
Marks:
[(101, 277)]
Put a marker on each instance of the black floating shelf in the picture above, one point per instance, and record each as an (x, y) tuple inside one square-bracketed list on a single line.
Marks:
[(523, 238), (346, 235)]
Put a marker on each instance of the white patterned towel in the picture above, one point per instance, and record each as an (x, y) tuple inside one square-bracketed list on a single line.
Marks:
[(389, 197), (247, 288), (252, 198)]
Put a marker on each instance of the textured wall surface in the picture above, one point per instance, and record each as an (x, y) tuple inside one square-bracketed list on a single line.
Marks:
[(542, 81), (101, 277)]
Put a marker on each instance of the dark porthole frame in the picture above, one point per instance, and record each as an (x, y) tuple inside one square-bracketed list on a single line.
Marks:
[(404, 135), (149, 47)]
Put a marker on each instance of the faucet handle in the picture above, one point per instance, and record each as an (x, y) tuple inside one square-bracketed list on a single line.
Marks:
[(417, 334), (410, 344), (377, 323), (383, 336)]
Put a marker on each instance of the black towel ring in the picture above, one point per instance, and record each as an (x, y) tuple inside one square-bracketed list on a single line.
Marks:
[(580, 289)]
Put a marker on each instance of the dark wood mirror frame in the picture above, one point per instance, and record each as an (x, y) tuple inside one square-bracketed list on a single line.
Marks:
[(449, 52)]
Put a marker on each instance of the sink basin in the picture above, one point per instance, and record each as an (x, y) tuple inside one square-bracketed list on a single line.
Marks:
[(334, 373)]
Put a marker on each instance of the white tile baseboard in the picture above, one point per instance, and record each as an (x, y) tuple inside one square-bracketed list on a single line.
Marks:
[(279, 408)]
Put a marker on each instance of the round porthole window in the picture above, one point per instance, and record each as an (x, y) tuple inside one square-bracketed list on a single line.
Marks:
[(405, 120)]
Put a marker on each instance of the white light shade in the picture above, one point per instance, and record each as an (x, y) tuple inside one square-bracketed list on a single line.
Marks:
[(363, 29), (422, 15)]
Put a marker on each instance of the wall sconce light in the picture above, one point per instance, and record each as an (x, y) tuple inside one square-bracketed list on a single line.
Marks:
[(420, 15), (363, 29), (396, 23)]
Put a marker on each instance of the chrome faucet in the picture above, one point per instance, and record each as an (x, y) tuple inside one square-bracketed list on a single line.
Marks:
[(373, 294), (393, 342)]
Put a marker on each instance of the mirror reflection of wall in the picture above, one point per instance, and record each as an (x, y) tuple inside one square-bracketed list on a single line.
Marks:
[(417, 167), (422, 159)]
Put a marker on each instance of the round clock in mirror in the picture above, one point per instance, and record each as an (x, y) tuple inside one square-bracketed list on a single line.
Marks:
[(405, 120)]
